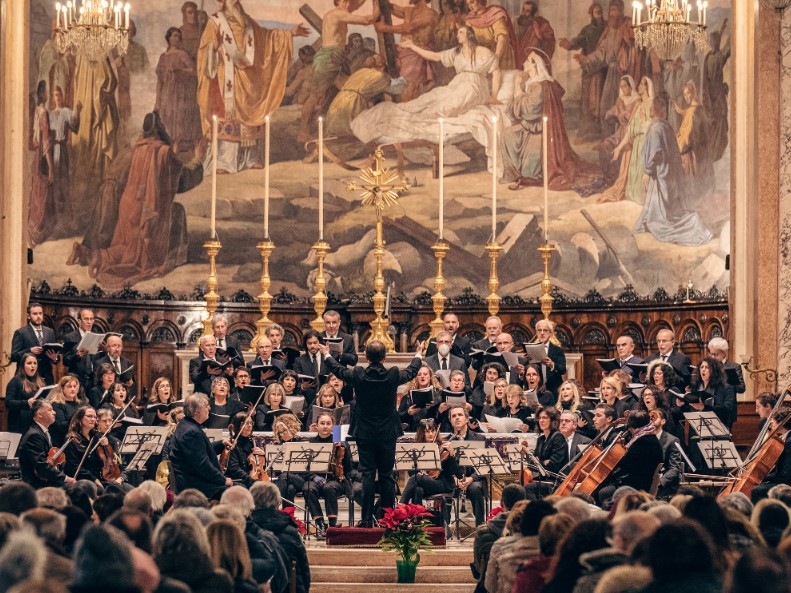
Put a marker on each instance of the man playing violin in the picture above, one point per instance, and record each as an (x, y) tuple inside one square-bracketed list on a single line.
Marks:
[(33, 449)]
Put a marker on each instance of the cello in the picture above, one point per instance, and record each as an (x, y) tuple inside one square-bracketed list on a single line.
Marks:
[(602, 466), (586, 459), (758, 465)]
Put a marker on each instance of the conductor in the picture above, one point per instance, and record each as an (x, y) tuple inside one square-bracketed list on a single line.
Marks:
[(375, 423)]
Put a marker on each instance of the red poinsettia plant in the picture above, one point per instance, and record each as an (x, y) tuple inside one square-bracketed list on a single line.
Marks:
[(405, 531), (291, 512)]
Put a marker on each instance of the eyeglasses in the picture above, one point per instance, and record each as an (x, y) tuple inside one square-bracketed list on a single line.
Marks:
[(428, 423)]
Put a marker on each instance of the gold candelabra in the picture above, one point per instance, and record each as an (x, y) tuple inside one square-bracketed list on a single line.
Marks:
[(493, 299), (380, 189), (546, 284), (212, 247), (770, 375), (322, 248), (266, 247), (440, 249)]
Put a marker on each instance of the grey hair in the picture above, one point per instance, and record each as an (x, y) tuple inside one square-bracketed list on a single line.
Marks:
[(54, 498), (265, 495), (23, 557), (218, 381), (239, 498), (718, 344), (194, 403), (231, 513), (49, 525), (218, 317), (157, 493), (275, 326), (574, 507)]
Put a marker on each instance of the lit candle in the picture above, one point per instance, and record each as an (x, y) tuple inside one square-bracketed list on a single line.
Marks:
[(213, 177), (700, 12), (321, 179), (544, 163), (705, 6), (126, 10), (441, 176), (117, 16), (57, 15), (266, 178), (494, 178)]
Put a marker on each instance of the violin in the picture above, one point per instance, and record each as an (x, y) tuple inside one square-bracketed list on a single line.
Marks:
[(444, 455), (57, 457), (226, 452), (111, 470), (338, 455), (258, 469)]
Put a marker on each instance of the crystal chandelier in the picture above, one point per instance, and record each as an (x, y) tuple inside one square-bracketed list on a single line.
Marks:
[(93, 29), (668, 28)]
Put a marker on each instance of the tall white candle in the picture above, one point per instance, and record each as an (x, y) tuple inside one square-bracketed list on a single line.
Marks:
[(544, 163), (213, 177), (321, 179), (126, 10), (441, 177), (57, 15), (266, 178), (494, 178)]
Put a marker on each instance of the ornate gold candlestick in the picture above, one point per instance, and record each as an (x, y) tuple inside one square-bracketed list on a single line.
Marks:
[(381, 189), (493, 299), (266, 247), (546, 284), (440, 249), (322, 248), (212, 247)]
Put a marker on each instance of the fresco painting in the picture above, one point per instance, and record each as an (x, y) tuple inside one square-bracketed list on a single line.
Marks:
[(638, 168)]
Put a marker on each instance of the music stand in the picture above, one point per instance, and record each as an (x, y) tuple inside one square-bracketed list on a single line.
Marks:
[(136, 436), (417, 457), (144, 453), (9, 443), (303, 458), (719, 454), (488, 463), (463, 450)]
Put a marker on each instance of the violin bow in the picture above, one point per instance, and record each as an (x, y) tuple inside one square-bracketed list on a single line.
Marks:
[(250, 413), (106, 432)]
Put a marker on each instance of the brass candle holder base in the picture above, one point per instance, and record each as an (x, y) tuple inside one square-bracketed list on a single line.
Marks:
[(266, 247), (546, 284), (212, 247), (379, 325), (322, 248), (440, 249), (493, 300)]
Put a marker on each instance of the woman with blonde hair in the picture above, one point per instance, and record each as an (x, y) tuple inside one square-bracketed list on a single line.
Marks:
[(568, 396), (158, 405), (609, 390), (495, 401), (271, 408), (229, 551)]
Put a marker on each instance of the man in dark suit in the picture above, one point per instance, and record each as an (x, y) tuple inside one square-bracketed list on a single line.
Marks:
[(665, 342), (460, 345), (493, 327), (192, 456), (32, 338), (673, 463), (643, 454), (442, 359), (474, 485), (115, 347), (219, 326), (554, 365), (311, 364), (516, 372), (79, 362), (781, 474), (375, 423), (265, 358), (202, 376), (718, 350), (624, 345), (34, 447), (332, 329), (568, 428)]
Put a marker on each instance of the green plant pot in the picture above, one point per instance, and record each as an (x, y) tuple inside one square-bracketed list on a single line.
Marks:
[(406, 570)]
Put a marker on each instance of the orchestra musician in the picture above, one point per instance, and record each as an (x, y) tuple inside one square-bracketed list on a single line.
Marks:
[(764, 404), (673, 464), (574, 440), (34, 467), (643, 455), (551, 452), (778, 422), (603, 421), (286, 429), (473, 485), (328, 486), (239, 459), (192, 456), (431, 483), (84, 461)]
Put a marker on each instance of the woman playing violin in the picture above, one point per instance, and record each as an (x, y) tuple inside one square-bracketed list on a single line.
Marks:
[(84, 434), (286, 429), (239, 463), (423, 484), (551, 451)]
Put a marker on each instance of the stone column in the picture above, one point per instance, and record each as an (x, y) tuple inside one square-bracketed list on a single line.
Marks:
[(14, 169)]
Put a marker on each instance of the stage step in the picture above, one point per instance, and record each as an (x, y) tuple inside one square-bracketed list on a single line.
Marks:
[(387, 574), (374, 557), (389, 588)]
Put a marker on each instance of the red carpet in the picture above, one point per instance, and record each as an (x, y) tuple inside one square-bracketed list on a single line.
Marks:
[(369, 538)]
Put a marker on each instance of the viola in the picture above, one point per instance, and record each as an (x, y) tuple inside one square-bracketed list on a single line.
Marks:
[(111, 470), (443, 457), (258, 468), (57, 457)]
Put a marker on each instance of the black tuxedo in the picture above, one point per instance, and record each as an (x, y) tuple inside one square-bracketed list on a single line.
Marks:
[(24, 339), (679, 361), (104, 358), (200, 378), (482, 344), (33, 464), (577, 439), (82, 366), (304, 366), (673, 462), (476, 491), (637, 467), (554, 377), (281, 364), (231, 342), (375, 424), (194, 460), (459, 347), (455, 363), (349, 356)]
